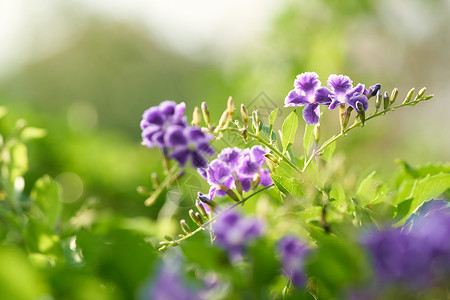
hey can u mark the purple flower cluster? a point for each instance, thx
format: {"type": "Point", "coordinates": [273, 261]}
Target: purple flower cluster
{"type": "Point", "coordinates": [233, 232]}
{"type": "Point", "coordinates": [236, 167]}
{"type": "Point", "coordinates": [414, 256]}
{"type": "Point", "coordinates": [165, 127]}
{"type": "Point", "coordinates": [293, 252]}
{"type": "Point", "coordinates": [308, 92]}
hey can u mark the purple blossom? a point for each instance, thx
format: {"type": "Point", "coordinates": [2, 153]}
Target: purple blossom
{"type": "Point", "coordinates": [188, 143]}
{"type": "Point", "coordinates": [293, 253]}
{"type": "Point", "coordinates": [308, 93]}
{"type": "Point", "coordinates": [415, 255]}
{"type": "Point", "coordinates": [233, 232]}
{"type": "Point", "coordinates": [169, 285]}
{"type": "Point", "coordinates": [158, 119]}
{"type": "Point", "coordinates": [343, 92]}
{"type": "Point", "coordinates": [232, 165]}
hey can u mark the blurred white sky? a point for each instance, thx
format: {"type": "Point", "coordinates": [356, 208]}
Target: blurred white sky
{"type": "Point", "coordinates": [39, 28]}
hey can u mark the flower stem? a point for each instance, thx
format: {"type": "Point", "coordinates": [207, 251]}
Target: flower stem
{"type": "Point", "coordinates": [171, 175]}
{"type": "Point", "coordinates": [356, 124]}
{"type": "Point", "coordinates": [212, 220]}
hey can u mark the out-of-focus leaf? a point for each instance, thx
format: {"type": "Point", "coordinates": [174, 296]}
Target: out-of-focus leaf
{"type": "Point", "coordinates": [367, 189]}
{"type": "Point", "coordinates": [336, 265]}
{"type": "Point", "coordinates": [288, 186]}
{"type": "Point", "coordinates": [30, 133]}
{"type": "Point", "coordinates": [265, 267]}
{"type": "Point", "coordinates": [40, 238]}
{"type": "Point", "coordinates": [18, 279]}
{"type": "Point", "coordinates": [46, 194]}
{"type": "Point", "coordinates": [328, 152]}
{"type": "Point", "coordinates": [198, 249]}
{"type": "Point", "coordinates": [288, 130]}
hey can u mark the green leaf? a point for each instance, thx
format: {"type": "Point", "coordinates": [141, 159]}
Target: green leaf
{"type": "Point", "coordinates": [336, 265]}
{"type": "Point", "coordinates": [288, 186]}
{"type": "Point", "coordinates": [328, 152]}
{"type": "Point", "coordinates": [272, 118]}
{"type": "Point", "coordinates": [308, 139]}
{"type": "Point", "coordinates": [265, 267]}
{"type": "Point", "coordinates": [270, 134]}
{"type": "Point", "coordinates": [426, 189]}
{"type": "Point", "coordinates": [29, 133]}
{"type": "Point", "coordinates": [288, 130]}
{"type": "Point", "coordinates": [367, 189]}
{"type": "Point", "coordinates": [46, 194]}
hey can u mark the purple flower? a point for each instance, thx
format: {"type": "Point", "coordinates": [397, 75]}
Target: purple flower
{"type": "Point", "coordinates": [233, 232]}
{"type": "Point", "coordinates": [293, 253]}
{"type": "Point", "coordinates": [188, 143]}
{"type": "Point", "coordinates": [169, 285]}
{"type": "Point", "coordinates": [158, 119]}
{"type": "Point", "coordinates": [343, 92]}
{"type": "Point", "coordinates": [308, 93]}
{"type": "Point", "coordinates": [373, 90]}
{"type": "Point", "coordinates": [233, 165]}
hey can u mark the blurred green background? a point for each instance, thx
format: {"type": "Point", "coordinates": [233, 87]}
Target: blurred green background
{"type": "Point", "coordinates": [86, 71]}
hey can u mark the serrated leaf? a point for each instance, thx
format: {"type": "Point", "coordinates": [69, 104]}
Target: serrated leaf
{"type": "Point", "coordinates": [288, 130]}
{"type": "Point", "coordinates": [308, 139]}
{"type": "Point", "coordinates": [288, 186]}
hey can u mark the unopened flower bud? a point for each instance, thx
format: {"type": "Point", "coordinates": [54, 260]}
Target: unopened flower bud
{"type": "Point", "coordinates": [167, 237]}
{"type": "Point", "coordinates": [373, 90]}
{"type": "Point", "coordinates": [196, 117]}
{"type": "Point", "coordinates": [201, 209]}
{"type": "Point", "coordinates": [244, 115]}
{"type": "Point", "coordinates": [205, 112]}
{"type": "Point", "coordinates": [230, 107]}
{"type": "Point", "coordinates": [272, 158]}
{"type": "Point", "coordinates": [386, 100]}
{"type": "Point", "coordinates": [155, 180]}
{"type": "Point", "coordinates": [238, 184]}
{"type": "Point", "coordinates": [361, 111]}
{"type": "Point", "coordinates": [409, 95]}
{"type": "Point", "coordinates": [256, 121]}
{"type": "Point", "coordinates": [229, 192]}
{"type": "Point", "coordinates": [245, 134]}
{"type": "Point", "coordinates": [420, 94]}
{"type": "Point", "coordinates": [185, 227]}
{"type": "Point", "coordinates": [199, 218]}
{"type": "Point", "coordinates": [378, 100]}
{"type": "Point", "coordinates": [394, 95]}
{"type": "Point", "coordinates": [317, 132]}
{"type": "Point", "coordinates": [256, 180]}
{"type": "Point", "coordinates": [194, 218]}
{"type": "Point", "coordinates": [223, 122]}
{"type": "Point", "coordinates": [346, 118]}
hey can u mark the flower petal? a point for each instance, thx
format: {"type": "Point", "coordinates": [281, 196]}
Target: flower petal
{"type": "Point", "coordinates": [257, 155]}
{"type": "Point", "coordinates": [362, 99]}
{"type": "Point", "coordinates": [294, 99]}
{"type": "Point", "coordinates": [265, 180]}
{"type": "Point", "coordinates": [167, 107]}
{"type": "Point", "coordinates": [339, 84]}
{"type": "Point", "coordinates": [307, 83]}
{"type": "Point", "coordinates": [179, 110]}
{"type": "Point", "coordinates": [198, 161]}
{"type": "Point", "coordinates": [230, 156]}
{"type": "Point", "coordinates": [195, 134]}
{"type": "Point", "coordinates": [175, 137]}
{"type": "Point", "coordinates": [356, 91]}
{"type": "Point", "coordinates": [154, 116]}
{"type": "Point", "coordinates": [206, 148]}
{"type": "Point", "coordinates": [322, 96]}
{"type": "Point", "coordinates": [181, 156]}
{"type": "Point", "coordinates": [311, 113]}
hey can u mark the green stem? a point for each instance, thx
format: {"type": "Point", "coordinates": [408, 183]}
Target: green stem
{"type": "Point", "coordinates": [206, 224]}
{"type": "Point", "coordinates": [356, 124]}
{"type": "Point", "coordinates": [166, 182]}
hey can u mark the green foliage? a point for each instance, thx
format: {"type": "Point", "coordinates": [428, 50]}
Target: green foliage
{"type": "Point", "coordinates": [288, 130]}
